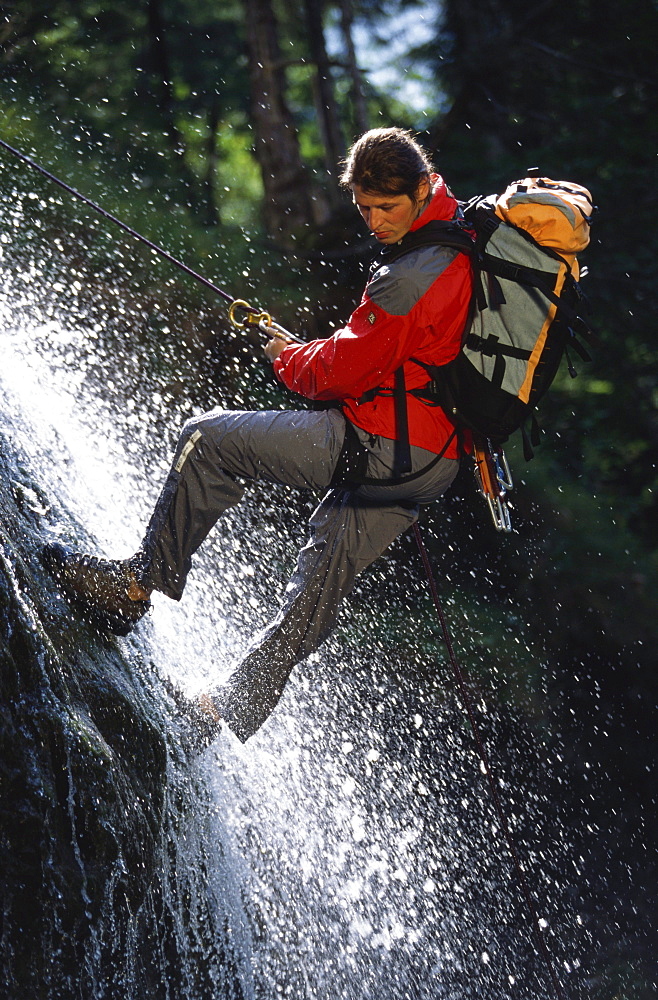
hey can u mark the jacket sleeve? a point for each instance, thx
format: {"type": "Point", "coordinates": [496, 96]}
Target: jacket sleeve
{"type": "Point", "coordinates": [393, 321]}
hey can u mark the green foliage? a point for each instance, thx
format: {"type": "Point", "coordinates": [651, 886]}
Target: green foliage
{"type": "Point", "coordinates": [162, 89]}
{"type": "Point", "coordinates": [156, 124]}
{"type": "Point", "coordinates": [150, 83]}
{"type": "Point", "coordinates": [574, 92]}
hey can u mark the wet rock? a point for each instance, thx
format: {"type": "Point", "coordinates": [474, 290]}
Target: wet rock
{"type": "Point", "coordinates": [99, 899]}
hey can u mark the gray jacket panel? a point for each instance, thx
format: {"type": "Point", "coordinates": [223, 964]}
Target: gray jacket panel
{"type": "Point", "coordinates": [398, 287]}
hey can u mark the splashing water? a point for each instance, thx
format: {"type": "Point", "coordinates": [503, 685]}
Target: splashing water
{"type": "Point", "coordinates": [349, 848]}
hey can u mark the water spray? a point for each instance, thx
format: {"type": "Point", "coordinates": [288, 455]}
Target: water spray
{"type": "Point", "coordinates": [486, 768]}
{"type": "Point", "coordinates": [242, 315]}
{"type": "Point", "coordinates": [253, 317]}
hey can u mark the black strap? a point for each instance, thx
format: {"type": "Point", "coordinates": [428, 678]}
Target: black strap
{"type": "Point", "coordinates": [446, 233]}
{"type": "Point", "coordinates": [402, 461]}
{"type": "Point", "coordinates": [578, 347]}
{"type": "Point", "coordinates": [491, 346]}
{"type": "Point", "coordinates": [496, 295]}
{"type": "Point", "coordinates": [536, 279]}
{"type": "Point", "coordinates": [531, 439]}
{"type": "Point", "coordinates": [352, 465]}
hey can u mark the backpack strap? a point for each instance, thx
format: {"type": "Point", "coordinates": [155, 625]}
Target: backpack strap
{"type": "Point", "coordinates": [531, 439]}
{"type": "Point", "coordinates": [444, 233]}
{"type": "Point", "coordinates": [537, 279]}
{"type": "Point", "coordinates": [402, 462]}
{"type": "Point", "coordinates": [492, 348]}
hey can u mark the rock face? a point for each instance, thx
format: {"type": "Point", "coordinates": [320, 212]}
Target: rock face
{"type": "Point", "coordinates": [104, 882]}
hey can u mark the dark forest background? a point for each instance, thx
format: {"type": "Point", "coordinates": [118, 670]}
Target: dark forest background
{"type": "Point", "coordinates": [206, 124]}
{"type": "Point", "coordinates": [217, 130]}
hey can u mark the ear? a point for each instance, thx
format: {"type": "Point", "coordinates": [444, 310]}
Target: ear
{"type": "Point", "coordinates": [423, 190]}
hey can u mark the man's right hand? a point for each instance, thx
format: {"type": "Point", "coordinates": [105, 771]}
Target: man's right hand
{"type": "Point", "coordinates": [274, 347]}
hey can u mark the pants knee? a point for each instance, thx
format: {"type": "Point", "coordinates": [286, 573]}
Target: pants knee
{"type": "Point", "coordinates": [189, 439]}
{"type": "Point", "coordinates": [196, 429]}
{"type": "Point", "coordinates": [196, 424]}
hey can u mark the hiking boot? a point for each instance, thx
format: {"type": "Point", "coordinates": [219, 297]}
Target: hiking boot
{"type": "Point", "coordinates": [100, 586]}
{"type": "Point", "coordinates": [199, 728]}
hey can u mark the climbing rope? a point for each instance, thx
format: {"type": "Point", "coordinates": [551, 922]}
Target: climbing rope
{"type": "Point", "coordinates": [252, 317]}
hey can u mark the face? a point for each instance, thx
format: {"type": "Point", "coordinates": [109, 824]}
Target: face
{"type": "Point", "coordinates": [390, 216]}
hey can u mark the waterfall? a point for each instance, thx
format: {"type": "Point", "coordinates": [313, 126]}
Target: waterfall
{"type": "Point", "coordinates": [349, 849]}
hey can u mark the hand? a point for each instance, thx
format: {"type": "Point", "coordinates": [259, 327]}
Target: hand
{"type": "Point", "coordinates": [274, 347]}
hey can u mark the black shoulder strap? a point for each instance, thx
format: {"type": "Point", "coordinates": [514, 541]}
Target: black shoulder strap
{"type": "Point", "coordinates": [448, 233]}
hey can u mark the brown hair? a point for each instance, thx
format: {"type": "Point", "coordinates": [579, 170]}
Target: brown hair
{"type": "Point", "coordinates": [387, 160]}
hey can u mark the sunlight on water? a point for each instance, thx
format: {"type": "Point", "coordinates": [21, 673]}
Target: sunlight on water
{"type": "Point", "coordinates": [89, 467]}
{"type": "Point", "coordinates": [349, 841]}
{"type": "Point", "coordinates": [106, 483]}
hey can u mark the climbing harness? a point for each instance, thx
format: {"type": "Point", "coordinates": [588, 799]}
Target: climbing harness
{"type": "Point", "coordinates": [262, 320]}
{"type": "Point", "coordinates": [486, 768]}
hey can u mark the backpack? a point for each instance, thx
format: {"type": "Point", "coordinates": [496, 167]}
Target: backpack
{"type": "Point", "coordinates": [527, 306]}
{"type": "Point", "coordinates": [524, 317]}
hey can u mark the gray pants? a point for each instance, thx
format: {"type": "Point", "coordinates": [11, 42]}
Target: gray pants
{"type": "Point", "coordinates": [348, 530]}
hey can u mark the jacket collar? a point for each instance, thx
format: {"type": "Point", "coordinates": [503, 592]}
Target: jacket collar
{"type": "Point", "coordinates": [442, 205]}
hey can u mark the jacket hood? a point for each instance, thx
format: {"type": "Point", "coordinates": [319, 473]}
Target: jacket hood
{"type": "Point", "coordinates": [442, 206]}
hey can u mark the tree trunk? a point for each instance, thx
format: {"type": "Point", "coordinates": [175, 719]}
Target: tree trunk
{"type": "Point", "coordinates": [160, 67]}
{"type": "Point", "coordinates": [330, 130]}
{"type": "Point", "coordinates": [354, 73]}
{"type": "Point", "coordinates": [210, 180]}
{"type": "Point", "coordinates": [288, 203]}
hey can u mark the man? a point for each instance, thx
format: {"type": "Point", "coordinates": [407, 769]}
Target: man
{"type": "Point", "coordinates": [379, 453]}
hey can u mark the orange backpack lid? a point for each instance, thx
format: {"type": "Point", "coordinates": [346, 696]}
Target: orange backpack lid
{"type": "Point", "coordinates": [555, 213]}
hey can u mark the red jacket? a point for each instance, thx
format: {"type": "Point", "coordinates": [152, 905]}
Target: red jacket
{"type": "Point", "coordinates": [415, 306]}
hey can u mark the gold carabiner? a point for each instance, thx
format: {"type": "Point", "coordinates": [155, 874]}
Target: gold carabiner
{"type": "Point", "coordinates": [262, 320]}
{"type": "Point", "coordinates": [252, 318]}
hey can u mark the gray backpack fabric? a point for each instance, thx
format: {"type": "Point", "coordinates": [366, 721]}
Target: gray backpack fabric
{"type": "Point", "coordinates": [526, 309]}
